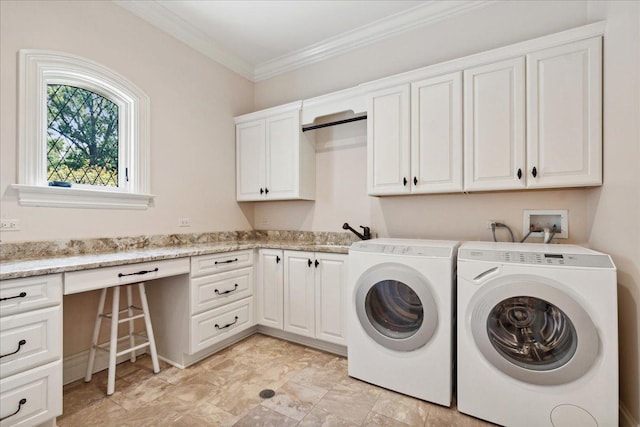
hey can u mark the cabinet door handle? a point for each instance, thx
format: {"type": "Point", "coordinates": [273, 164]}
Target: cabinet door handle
{"type": "Point", "coordinates": [22, 402]}
{"type": "Point", "coordinates": [261, 190]}
{"type": "Point", "coordinates": [138, 272]}
{"type": "Point", "coordinates": [277, 259]}
{"type": "Point", "coordinates": [415, 180]}
{"type": "Point", "coordinates": [404, 181]}
{"type": "Point", "coordinates": [20, 295]}
{"type": "Point", "coordinates": [266, 190]}
{"type": "Point", "coordinates": [534, 172]}
{"type": "Point", "coordinates": [226, 292]}
{"type": "Point", "coordinates": [316, 263]}
{"type": "Point", "coordinates": [519, 173]}
{"type": "Point", "coordinates": [309, 262]}
{"type": "Point", "coordinates": [20, 344]}
{"type": "Point", "coordinates": [229, 261]}
{"type": "Point", "coordinates": [228, 324]}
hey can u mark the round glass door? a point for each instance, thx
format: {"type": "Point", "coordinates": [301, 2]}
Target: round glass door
{"type": "Point", "coordinates": [394, 309]}
{"type": "Point", "coordinates": [395, 306]}
{"type": "Point", "coordinates": [530, 329]}
{"type": "Point", "coordinates": [532, 333]}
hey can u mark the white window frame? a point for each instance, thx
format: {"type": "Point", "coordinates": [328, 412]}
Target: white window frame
{"type": "Point", "coordinates": [37, 70]}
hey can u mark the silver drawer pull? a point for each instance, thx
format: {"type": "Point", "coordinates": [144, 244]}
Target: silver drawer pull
{"type": "Point", "coordinates": [226, 292]}
{"type": "Point", "coordinates": [20, 344]}
{"type": "Point", "coordinates": [20, 295]}
{"type": "Point", "coordinates": [138, 273]}
{"type": "Point", "coordinates": [22, 402]}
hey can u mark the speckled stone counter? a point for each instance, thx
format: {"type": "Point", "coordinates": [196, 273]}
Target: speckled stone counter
{"type": "Point", "coordinates": [37, 258]}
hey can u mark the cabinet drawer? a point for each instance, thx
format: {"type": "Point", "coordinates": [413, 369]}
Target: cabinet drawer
{"type": "Point", "coordinates": [39, 292]}
{"type": "Point", "coordinates": [41, 389]}
{"type": "Point", "coordinates": [218, 289]}
{"type": "Point", "coordinates": [98, 278]}
{"type": "Point", "coordinates": [215, 325]}
{"type": "Point", "coordinates": [34, 338]}
{"type": "Point", "coordinates": [216, 263]}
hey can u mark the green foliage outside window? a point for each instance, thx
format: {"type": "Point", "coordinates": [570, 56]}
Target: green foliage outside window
{"type": "Point", "coordinates": [82, 137]}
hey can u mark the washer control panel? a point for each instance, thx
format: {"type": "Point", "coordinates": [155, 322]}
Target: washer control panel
{"type": "Point", "coordinates": [540, 258]}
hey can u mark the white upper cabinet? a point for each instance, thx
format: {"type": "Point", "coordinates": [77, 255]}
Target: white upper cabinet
{"type": "Point", "coordinates": [494, 126]}
{"type": "Point", "coordinates": [250, 160]}
{"type": "Point", "coordinates": [274, 159]}
{"type": "Point", "coordinates": [414, 137]}
{"type": "Point", "coordinates": [564, 115]}
{"type": "Point", "coordinates": [436, 134]}
{"type": "Point", "coordinates": [388, 141]}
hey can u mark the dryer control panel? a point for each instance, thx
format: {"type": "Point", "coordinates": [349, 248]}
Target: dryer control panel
{"type": "Point", "coordinates": [402, 250]}
{"type": "Point", "coordinates": [540, 258]}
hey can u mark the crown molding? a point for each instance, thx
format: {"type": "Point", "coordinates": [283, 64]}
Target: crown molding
{"type": "Point", "coordinates": [411, 19]}
{"type": "Point", "coordinates": [423, 15]}
{"type": "Point", "coordinates": [159, 16]}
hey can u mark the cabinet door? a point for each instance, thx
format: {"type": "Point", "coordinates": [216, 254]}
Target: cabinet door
{"type": "Point", "coordinates": [331, 282]}
{"type": "Point", "coordinates": [269, 288]}
{"type": "Point", "coordinates": [250, 160]}
{"type": "Point", "coordinates": [283, 156]}
{"type": "Point", "coordinates": [564, 115]}
{"type": "Point", "coordinates": [299, 295]}
{"type": "Point", "coordinates": [436, 134]}
{"type": "Point", "coordinates": [388, 141]}
{"type": "Point", "coordinates": [494, 144]}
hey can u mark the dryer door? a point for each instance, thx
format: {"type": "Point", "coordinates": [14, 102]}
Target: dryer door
{"type": "Point", "coordinates": [531, 330]}
{"type": "Point", "coordinates": [396, 307]}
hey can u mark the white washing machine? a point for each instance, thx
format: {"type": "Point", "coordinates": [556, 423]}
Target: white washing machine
{"type": "Point", "coordinates": [400, 315]}
{"type": "Point", "coordinates": [537, 335]}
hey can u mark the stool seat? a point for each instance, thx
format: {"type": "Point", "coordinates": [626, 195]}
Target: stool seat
{"type": "Point", "coordinates": [135, 341]}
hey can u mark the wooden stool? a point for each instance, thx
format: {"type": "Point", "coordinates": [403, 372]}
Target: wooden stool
{"type": "Point", "coordinates": [112, 346]}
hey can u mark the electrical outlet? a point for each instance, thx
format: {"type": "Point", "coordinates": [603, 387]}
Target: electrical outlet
{"type": "Point", "coordinates": [184, 222]}
{"type": "Point", "coordinates": [10, 225]}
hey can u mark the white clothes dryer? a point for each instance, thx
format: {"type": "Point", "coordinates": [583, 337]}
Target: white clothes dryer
{"type": "Point", "coordinates": [537, 335]}
{"type": "Point", "coordinates": [400, 315]}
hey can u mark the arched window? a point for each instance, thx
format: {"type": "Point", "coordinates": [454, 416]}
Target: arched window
{"type": "Point", "coordinates": [83, 135]}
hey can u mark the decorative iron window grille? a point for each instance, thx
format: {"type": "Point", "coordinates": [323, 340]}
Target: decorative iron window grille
{"type": "Point", "coordinates": [82, 137]}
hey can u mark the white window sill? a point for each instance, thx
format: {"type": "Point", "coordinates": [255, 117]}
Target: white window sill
{"type": "Point", "coordinates": [60, 197]}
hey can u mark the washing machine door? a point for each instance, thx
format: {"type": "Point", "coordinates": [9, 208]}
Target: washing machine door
{"type": "Point", "coordinates": [396, 307]}
{"type": "Point", "coordinates": [533, 331]}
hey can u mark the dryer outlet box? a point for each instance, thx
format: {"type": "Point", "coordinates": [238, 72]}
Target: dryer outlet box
{"type": "Point", "coordinates": [541, 219]}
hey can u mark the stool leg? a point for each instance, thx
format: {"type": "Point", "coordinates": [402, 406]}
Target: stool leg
{"type": "Point", "coordinates": [113, 345]}
{"type": "Point", "coordinates": [96, 333]}
{"type": "Point", "coordinates": [132, 341]}
{"type": "Point", "coordinates": [147, 322]}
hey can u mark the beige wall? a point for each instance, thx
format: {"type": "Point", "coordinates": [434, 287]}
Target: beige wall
{"type": "Point", "coordinates": [193, 102]}
{"type": "Point", "coordinates": [341, 166]}
{"type": "Point", "coordinates": [606, 218]}
{"type": "Point", "coordinates": [614, 208]}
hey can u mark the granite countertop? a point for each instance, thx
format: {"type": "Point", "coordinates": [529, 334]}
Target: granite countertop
{"type": "Point", "coordinates": [18, 268]}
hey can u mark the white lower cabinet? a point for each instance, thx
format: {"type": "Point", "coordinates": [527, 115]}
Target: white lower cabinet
{"type": "Point", "coordinates": [194, 316]}
{"type": "Point", "coordinates": [212, 326]}
{"type": "Point", "coordinates": [269, 288]}
{"type": "Point", "coordinates": [302, 293]}
{"type": "Point", "coordinates": [31, 350]}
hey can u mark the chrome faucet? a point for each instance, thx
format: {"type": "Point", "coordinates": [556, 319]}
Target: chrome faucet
{"type": "Point", "coordinates": [366, 231]}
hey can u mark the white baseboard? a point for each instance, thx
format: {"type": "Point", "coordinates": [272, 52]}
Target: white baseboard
{"type": "Point", "coordinates": [75, 366]}
{"type": "Point", "coordinates": [626, 419]}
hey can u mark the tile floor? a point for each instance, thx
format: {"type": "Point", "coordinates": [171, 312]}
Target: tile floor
{"type": "Point", "coordinates": [312, 389]}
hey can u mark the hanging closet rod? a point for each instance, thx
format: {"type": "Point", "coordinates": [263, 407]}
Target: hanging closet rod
{"type": "Point", "coordinates": [339, 122]}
